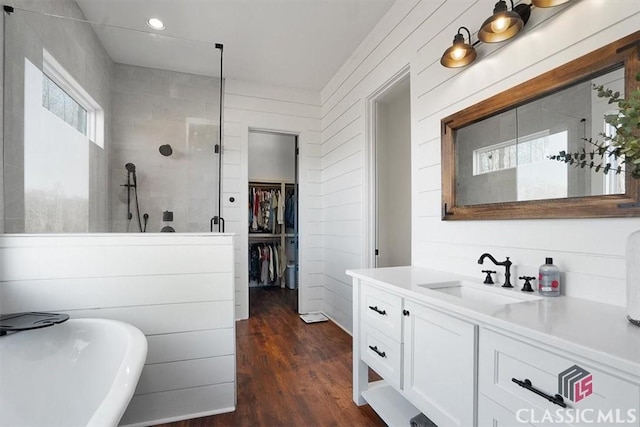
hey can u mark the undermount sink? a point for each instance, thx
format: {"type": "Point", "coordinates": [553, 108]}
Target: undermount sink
{"type": "Point", "coordinates": [78, 373]}
{"type": "Point", "coordinates": [483, 294]}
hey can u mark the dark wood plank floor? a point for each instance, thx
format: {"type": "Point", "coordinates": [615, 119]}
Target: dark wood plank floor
{"type": "Point", "coordinates": [290, 373]}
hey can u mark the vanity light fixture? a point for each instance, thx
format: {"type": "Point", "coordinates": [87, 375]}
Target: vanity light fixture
{"type": "Point", "coordinates": [502, 25]}
{"type": "Point", "coordinates": [548, 3]}
{"type": "Point", "coordinates": [155, 24]}
{"type": "Point", "coordinates": [461, 53]}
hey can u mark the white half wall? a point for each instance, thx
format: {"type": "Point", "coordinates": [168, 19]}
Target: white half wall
{"type": "Point", "coordinates": [253, 106]}
{"type": "Point", "coordinates": [416, 33]}
{"type": "Point", "coordinates": [177, 288]}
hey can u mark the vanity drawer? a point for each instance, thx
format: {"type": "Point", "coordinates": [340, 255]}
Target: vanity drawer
{"type": "Point", "coordinates": [382, 354]}
{"type": "Point", "coordinates": [382, 310]}
{"type": "Point", "coordinates": [582, 385]}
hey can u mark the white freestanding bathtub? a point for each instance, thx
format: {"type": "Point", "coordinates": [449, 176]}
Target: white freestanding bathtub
{"type": "Point", "coordinates": [79, 373]}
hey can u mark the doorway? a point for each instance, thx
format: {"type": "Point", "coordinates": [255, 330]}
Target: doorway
{"type": "Point", "coordinates": [273, 213]}
{"type": "Point", "coordinates": [389, 112]}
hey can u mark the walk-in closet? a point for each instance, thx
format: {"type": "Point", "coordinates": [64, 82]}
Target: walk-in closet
{"type": "Point", "coordinates": [273, 210]}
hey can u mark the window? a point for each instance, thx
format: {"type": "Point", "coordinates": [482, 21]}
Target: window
{"type": "Point", "coordinates": [63, 96]}
{"type": "Point", "coordinates": [63, 105]}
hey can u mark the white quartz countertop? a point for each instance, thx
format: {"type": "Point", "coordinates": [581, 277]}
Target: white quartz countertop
{"type": "Point", "coordinates": [590, 329]}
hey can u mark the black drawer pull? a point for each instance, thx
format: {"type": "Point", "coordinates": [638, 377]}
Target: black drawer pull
{"type": "Point", "coordinates": [377, 310]}
{"type": "Point", "coordinates": [406, 312]}
{"type": "Point", "coordinates": [378, 352]}
{"type": "Point", "coordinates": [557, 399]}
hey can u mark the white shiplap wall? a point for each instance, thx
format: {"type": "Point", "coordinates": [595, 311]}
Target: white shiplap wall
{"type": "Point", "coordinates": [415, 33]}
{"type": "Point", "coordinates": [177, 288]}
{"type": "Point", "coordinates": [254, 106]}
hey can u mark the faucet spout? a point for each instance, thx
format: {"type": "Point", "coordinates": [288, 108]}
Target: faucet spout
{"type": "Point", "coordinates": [506, 264]}
{"type": "Point", "coordinates": [487, 255]}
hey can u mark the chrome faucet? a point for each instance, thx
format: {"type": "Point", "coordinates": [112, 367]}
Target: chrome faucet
{"type": "Point", "coordinates": [507, 268]}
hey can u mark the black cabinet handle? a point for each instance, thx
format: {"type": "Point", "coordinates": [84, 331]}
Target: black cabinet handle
{"type": "Point", "coordinates": [377, 310]}
{"type": "Point", "coordinates": [378, 352]}
{"type": "Point", "coordinates": [557, 399]}
{"type": "Point", "coordinates": [405, 312]}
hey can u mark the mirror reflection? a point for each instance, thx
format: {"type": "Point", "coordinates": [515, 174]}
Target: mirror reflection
{"type": "Point", "coordinates": [107, 129]}
{"type": "Point", "coordinates": [505, 157]}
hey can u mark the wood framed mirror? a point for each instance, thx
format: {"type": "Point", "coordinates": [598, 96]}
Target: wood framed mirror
{"type": "Point", "coordinates": [495, 154]}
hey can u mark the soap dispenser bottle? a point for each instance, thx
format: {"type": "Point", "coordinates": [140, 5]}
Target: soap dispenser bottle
{"type": "Point", "coordinates": [549, 279]}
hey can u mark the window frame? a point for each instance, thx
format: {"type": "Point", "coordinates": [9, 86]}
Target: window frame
{"type": "Point", "coordinates": [53, 70]}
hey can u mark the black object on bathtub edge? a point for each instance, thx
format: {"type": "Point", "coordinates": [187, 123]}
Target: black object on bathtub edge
{"type": "Point", "coordinates": [15, 322]}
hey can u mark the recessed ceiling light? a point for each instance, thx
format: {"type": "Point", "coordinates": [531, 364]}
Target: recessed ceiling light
{"type": "Point", "coordinates": [155, 23]}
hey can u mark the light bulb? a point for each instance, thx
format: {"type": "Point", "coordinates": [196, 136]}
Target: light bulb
{"type": "Point", "coordinates": [457, 53]}
{"type": "Point", "coordinates": [500, 24]}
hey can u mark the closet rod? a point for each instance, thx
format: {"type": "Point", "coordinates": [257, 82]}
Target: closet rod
{"type": "Point", "coordinates": [267, 237]}
{"type": "Point", "coordinates": [269, 183]}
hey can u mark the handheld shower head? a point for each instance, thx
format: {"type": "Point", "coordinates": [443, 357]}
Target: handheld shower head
{"type": "Point", "coordinates": [131, 170]}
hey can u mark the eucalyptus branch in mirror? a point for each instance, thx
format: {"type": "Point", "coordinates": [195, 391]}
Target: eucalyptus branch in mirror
{"type": "Point", "coordinates": [623, 145]}
{"type": "Point", "coordinates": [599, 158]}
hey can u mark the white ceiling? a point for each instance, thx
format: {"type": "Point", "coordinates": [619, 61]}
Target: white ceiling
{"type": "Point", "coordinates": [294, 43]}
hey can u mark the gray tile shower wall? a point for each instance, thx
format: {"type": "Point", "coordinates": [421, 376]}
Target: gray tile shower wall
{"type": "Point", "coordinates": [151, 108]}
{"type": "Point", "coordinates": [77, 48]}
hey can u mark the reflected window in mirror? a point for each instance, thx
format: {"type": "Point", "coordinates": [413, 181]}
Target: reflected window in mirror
{"type": "Point", "coordinates": [507, 157]}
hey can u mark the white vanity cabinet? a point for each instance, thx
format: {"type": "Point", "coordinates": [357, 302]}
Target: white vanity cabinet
{"type": "Point", "coordinates": [439, 364]}
{"type": "Point", "coordinates": [465, 363]}
{"type": "Point", "coordinates": [380, 341]}
{"type": "Point", "coordinates": [593, 394]}
{"type": "Point", "coordinates": [426, 356]}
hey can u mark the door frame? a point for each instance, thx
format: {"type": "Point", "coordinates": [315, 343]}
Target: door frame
{"type": "Point", "coordinates": [245, 222]}
{"type": "Point", "coordinates": [370, 240]}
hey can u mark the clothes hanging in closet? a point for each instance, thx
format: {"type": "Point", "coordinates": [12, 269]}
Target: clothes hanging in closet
{"type": "Point", "coordinates": [266, 261]}
{"type": "Point", "coordinates": [290, 209]}
{"type": "Point", "coordinates": [269, 209]}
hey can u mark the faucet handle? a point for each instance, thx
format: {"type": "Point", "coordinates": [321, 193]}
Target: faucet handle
{"type": "Point", "coordinates": [488, 280]}
{"type": "Point", "coordinates": [527, 283]}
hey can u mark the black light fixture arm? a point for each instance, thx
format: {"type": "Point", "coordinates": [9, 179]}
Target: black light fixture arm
{"type": "Point", "coordinates": [468, 32]}
{"type": "Point", "coordinates": [501, 6]}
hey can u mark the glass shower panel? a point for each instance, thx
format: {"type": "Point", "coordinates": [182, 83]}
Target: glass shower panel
{"type": "Point", "coordinates": [88, 108]}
